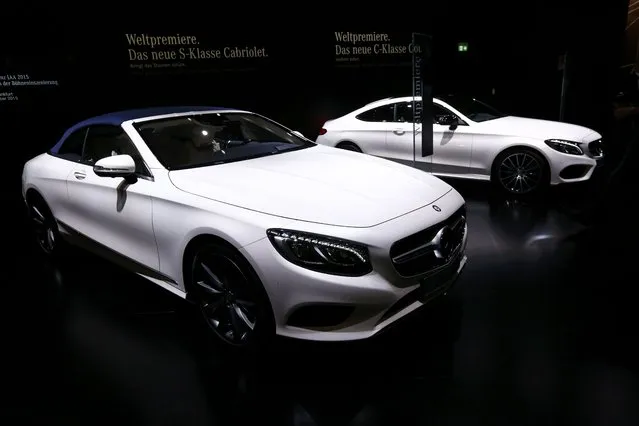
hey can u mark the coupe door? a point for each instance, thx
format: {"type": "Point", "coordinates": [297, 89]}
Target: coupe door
{"type": "Point", "coordinates": [403, 140]}
{"type": "Point", "coordinates": [370, 133]}
{"type": "Point", "coordinates": [452, 147]}
{"type": "Point", "coordinates": [113, 212]}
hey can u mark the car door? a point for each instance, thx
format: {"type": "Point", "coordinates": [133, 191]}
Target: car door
{"type": "Point", "coordinates": [452, 145]}
{"type": "Point", "coordinates": [403, 139]}
{"type": "Point", "coordinates": [54, 186]}
{"type": "Point", "coordinates": [372, 127]}
{"type": "Point", "coordinates": [115, 212]}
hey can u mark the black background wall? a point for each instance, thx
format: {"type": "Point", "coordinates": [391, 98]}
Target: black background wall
{"type": "Point", "coordinates": [512, 61]}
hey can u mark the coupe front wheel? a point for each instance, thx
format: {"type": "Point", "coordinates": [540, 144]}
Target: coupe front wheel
{"type": "Point", "coordinates": [520, 172]}
{"type": "Point", "coordinates": [231, 300]}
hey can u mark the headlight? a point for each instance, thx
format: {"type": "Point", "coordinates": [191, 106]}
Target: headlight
{"type": "Point", "coordinates": [567, 147]}
{"type": "Point", "coordinates": [320, 253]}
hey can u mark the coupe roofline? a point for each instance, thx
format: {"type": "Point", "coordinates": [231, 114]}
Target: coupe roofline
{"type": "Point", "coordinates": [388, 101]}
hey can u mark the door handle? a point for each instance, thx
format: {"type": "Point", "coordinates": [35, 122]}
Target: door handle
{"type": "Point", "coordinates": [399, 131]}
{"type": "Point", "coordinates": [79, 175]}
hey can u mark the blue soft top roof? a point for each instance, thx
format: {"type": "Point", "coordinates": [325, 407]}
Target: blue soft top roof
{"type": "Point", "coordinates": [117, 118]}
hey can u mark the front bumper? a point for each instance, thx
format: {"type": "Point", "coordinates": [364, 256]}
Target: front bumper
{"type": "Point", "coordinates": [565, 168]}
{"type": "Point", "coordinates": [342, 308]}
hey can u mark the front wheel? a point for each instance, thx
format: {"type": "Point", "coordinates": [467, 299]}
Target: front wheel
{"type": "Point", "coordinates": [520, 172]}
{"type": "Point", "coordinates": [231, 300]}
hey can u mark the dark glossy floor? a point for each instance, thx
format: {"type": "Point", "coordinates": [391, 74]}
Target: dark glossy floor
{"type": "Point", "coordinates": [540, 330]}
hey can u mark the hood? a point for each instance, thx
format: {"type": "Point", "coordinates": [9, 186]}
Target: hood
{"type": "Point", "coordinates": [318, 184]}
{"type": "Point", "coordinates": [538, 129]}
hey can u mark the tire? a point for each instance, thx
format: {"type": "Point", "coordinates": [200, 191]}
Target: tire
{"type": "Point", "coordinates": [231, 299]}
{"type": "Point", "coordinates": [520, 171]}
{"type": "Point", "coordinates": [44, 226]}
{"type": "Point", "coordinates": [348, 146]}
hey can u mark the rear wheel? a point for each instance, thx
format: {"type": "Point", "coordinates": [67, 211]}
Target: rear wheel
{"type": "Point", "coordinates": [44, 225]}
{"type": "Point", "coordinates": [231, 299]}
{"type": "Point", "coordinates": [349, 146]}
{"type": "Point", "coordinates": [520, 172]}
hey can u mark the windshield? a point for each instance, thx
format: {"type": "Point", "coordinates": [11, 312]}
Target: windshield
{"type": "Point", "coordinates": [216, 138]}
{"type": "Point", "coordinates": [474, 109]}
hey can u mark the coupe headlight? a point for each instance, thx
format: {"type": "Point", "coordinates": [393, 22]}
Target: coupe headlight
{"type": "Point", "coordinates": [321, 253]}
{"type": "Point", "coordinates": [567, 147]}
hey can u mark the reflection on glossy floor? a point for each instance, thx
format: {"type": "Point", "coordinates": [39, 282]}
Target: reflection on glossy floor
{"type": "Point", "coordinates": [535, 333]}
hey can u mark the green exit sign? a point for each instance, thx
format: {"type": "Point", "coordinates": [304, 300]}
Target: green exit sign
{"type": "Point", "coordinates": [462, 47]}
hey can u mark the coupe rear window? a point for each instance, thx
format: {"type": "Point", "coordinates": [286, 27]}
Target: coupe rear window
{"type": "Point", "coordinates": [216, 138]}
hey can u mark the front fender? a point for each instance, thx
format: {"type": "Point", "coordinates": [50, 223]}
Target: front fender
{"type": "Point", "coordinates": [486, 148]}
{"type": "Point", "coordinates": [176, 224]}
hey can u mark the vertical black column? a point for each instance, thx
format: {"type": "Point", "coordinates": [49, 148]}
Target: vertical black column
{"type": "Point", "coordinates": [422, 88]}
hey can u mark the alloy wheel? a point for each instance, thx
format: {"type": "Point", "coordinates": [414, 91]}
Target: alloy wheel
{"type": "Point", "coordinates": [44, 227]}
{"type": "Point", "coordinates": [520, 173]}
{"type": "Point", "coordinates": [225, 298]}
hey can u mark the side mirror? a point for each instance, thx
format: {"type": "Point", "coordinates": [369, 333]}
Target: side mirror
{"type": "Point", "coordinates": [298, 134]}
{"type": "Point", "coordinates": [115, 166]}
{"type": "Point", "coordinates": [448, 120]}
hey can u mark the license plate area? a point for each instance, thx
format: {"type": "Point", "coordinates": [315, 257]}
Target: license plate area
{"type": "Point", "coordinates": [439, 281]}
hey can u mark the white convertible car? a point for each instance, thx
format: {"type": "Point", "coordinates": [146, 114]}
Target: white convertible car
{"type": "Point", "coordinates": [471, 140]}
{"type": "Point", "coordinates": [263, 229]}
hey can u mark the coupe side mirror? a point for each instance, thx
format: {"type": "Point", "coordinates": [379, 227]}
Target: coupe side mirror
{"type": "Point", "coordinates": [449, 120]}
{"type": "Point", "coordinates": [115, 166]}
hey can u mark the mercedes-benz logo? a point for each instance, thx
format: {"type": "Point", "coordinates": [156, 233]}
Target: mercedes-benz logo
{"type": "Point", "coordinates": [436, 208]}
{"type": "Point", "coordinates": [443, 243]}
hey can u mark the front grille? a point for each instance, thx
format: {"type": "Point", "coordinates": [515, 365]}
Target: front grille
{"type": "Point", "coordinates": [596, 148]}
{"type": "Point", "coordinates": [430, 249]}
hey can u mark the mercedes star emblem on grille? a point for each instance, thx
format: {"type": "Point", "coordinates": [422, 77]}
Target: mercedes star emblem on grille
{"type": "Point", "coordinates": [436, 208]}
{"type": "Point", "coordinates": [443, 243]}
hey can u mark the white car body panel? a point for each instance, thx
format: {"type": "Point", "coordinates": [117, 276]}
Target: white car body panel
{"type": "Point", "coordinates": [374, 290]}
{"type": "Point", "coordinates": [469, 151]}
{"type": "Point", "coordinates": [152, 220]}
{"type": "Point", "coordinates": [118, 217]}
{"type": "Point", "coordinates": [388, 191]}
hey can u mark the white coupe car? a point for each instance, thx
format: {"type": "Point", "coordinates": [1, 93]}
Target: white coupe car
{"type": "Point", "coordinates": [471, 140]}
{"type": "Point", "coordinates": [265, 230]}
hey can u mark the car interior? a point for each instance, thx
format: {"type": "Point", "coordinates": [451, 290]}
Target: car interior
{"type": "Point", "coordinates": [189, 141]}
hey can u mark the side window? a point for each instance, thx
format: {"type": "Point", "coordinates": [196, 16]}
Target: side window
{"type": "Point", "coordinates": [404, 112]}
{"type": "Point", "coordinates": [439, 111]}
{"type": "Point", "coordinates": [381, 114]}
{"type": "Point", "coordinates": [105, 141]}
{"type": "Point", "coordinates": [71, 148]}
